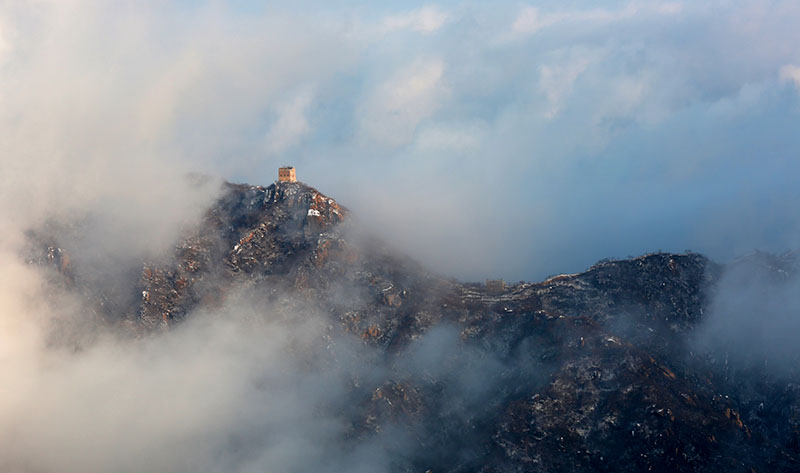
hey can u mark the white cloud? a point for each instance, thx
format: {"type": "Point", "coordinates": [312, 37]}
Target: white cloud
{"type": "Point", "coordinates": [107, 108]}
{"type": "Point", "coordinates": [627, 93]}
{"type": "Point", "coordinates": [5, 47]}
{"type": "Point", "coordinates": [427, 19]}
{"type": "Point", "coordinates": [450, 137]}
{"type": "Point", "coordinates": [292, 124]}
{"type": "Point", "coordinates": [790, 73]}
{"type": "Point", "coordinates": [97, 97]}
{"type": "Point", "coordinates": [394, 109]}
{"type": "Point", "coordinates": [669, 8]}
{"type": "Point", "coordinates": [104, 109]}
{"type": "Point", "coordinates": [531, 20]}
{"type": "Point", "coordinates": [557, 80]}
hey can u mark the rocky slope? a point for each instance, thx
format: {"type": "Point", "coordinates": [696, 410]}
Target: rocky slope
{"type": "Point", "coordinates": [597, 371]}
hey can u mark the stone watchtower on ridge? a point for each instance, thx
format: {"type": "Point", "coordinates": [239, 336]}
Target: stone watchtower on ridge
{"type": "Point", "coordinates": [287, 174]}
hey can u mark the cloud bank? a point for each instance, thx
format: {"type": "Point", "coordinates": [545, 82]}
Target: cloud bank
{"type": "Point", "coordinates": [505, 141]}
{"type": "Point", "coordinates": [516, 140]}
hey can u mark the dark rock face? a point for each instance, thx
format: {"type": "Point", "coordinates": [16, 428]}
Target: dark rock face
{"type": "Point", "coordinates": [594, 371]}
{"type": "Point", "coordinates": [253, 233]}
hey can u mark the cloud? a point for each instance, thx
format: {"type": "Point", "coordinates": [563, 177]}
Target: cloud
{"type": "Point", "coordinates": [531, 20]}
{"type": "Point", "coordinates": [263, 383]}
{"type": "Point", "coordinates": [528, 21]}
{"type": "Point", "coordinates": [450, 137]}
{"type": "Point", "coordinates": [225, 391]}
{"type": "Point", "coordinates": [291, 125]}
{"type": "Point", "coordinates": [595, 133]}
{"type": "Point", "coordinates": [752, 320]}
{"type": "Point", "coordinates": [427, 19]}
{"type": "Point", "coordinates": [4, 44]}
{"type": "Point", "coordinates": [556, 81]}
{"type": "Point", "coordinates": [103, 104]}
{"type": "Point", "coordinates": [790, 73]}
{"type": "Point", "coordinates": [394, 109]}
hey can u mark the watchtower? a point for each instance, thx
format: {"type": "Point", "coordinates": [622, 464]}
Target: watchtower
{"type": "Point", "coordinates": [287, 174]}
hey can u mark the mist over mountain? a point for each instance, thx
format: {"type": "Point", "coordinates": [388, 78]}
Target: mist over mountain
{"type": "Point", "coordinates": [504, 134]}
{"type": "Point", "coordinates": [275, 334]}
{"type": "Point", "coordinates": [166, 306]}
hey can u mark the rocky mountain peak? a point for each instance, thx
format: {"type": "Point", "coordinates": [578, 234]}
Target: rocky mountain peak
{"type": "Point", "coordinates": [593, 371]}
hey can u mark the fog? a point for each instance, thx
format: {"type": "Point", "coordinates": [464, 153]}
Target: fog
{"type": "Point", "coordinates": [254, 385]}
{"type": "Point", "coordinates": [489, 142]}
{"type": "Point", "coordinates": [505, 141]}
{"type": "Point", "coordinates": [754, 316]}
{"type": "Point", "coordinates": [231, 391]}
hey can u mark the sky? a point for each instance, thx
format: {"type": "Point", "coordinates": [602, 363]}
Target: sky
{"type": "Point", "coordinates": [513, 140]}
{"type": "Point", "coordinates": [509, 139]}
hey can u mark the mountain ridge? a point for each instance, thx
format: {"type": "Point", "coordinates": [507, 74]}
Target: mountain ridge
{"type": "Point", "coordinates": [593, 371]}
